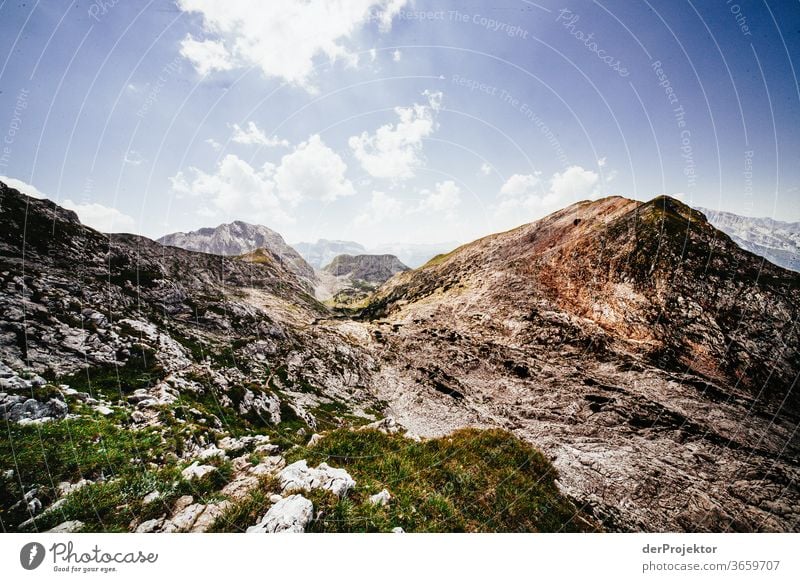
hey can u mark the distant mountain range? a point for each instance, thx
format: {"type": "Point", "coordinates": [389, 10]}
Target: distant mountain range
{"type": "Point", "coordinates": [322, 252]}
{"type": "Point", "coordinates": [774, 240]}
{"type": "Point", "coordinates": [350, 279]}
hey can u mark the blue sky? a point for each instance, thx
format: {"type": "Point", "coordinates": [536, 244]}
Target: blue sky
{"type": "Point", "coordinates": [396, 121]}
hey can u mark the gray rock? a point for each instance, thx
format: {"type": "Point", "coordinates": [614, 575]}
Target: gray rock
{"type": "Point", "coordinates": [300, 477]}
{"type": "Point", "coordinates": [290, 515]}
{"type": "Point", "coordinates": [197, 471]}
{"type": "Point", "coordinates": [67, 527]}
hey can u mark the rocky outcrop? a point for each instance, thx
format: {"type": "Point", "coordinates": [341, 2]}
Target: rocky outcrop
{"type": "Point", "coordinates": [289, 515]}
{"type": "Point", "coordinates": [300, 477]}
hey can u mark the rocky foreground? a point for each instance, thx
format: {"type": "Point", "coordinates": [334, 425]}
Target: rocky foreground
{"type": "Point", "coordinates": [150, 388]}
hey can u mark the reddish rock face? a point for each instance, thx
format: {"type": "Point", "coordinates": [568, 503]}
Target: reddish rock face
{"type": "Point", "coordinates": [650, 355]}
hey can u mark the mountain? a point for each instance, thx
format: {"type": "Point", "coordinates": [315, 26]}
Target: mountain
{"type": "Point", "coordinates": [238, 238]}
{"type": "Point", "coordinates": [776, 241]}
{"type": "Point", "coordinates": [350, 279]}
{"type": "Point", "coordinates": [640, 348]}
{"type": "Point", "coordinates": [323, 251]}
{"type": "Point", "coordinates": [413, 255]}
{"type": "Point", "coordinates": [617, 366]}
{"type": "Point", "coordinates": [374, 269]}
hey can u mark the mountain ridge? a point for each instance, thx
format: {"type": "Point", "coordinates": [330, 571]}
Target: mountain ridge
{"type": "Point", "coordinates": [647, 356]}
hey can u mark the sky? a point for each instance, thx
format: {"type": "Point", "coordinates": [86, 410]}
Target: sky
{"type": "Point", "coordinates": [387, 121]}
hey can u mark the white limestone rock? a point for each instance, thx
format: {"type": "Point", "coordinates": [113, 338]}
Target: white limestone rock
{"type": "Point", "coordinates": [289, 515]}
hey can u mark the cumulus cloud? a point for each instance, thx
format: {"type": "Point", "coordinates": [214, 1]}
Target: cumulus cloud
{"type": "Point", "coordinates": [486, 169]}
{"type": "Point", "coordinates": [23, 187]}
{"type": "Point", "coordinates": [397, 56]}
{"type": "Point", "coordinates": [281, 37]}
{"type": "Point", "coordinates": [313, 170]}
{"type": "Point", "coordinates": [215, 145]}
{"type": "Point", "coordinates": [237, 189]}
{"type": "Point", "coordinates": [253, 135]}
{"type": "Point", "coordinates": [207, 56]}
{"type": "Point", "coordinates": [528, 197]}
{"type": "Point", "coordinates": [445, 197]}
{"type": "Point", "coordinates": [380, 207]}
{"type": "Point", "coordinates": [394, 150]}
{"type": "Point", "coordinates": [101, 217]}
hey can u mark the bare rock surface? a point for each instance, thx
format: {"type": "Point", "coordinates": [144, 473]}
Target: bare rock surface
{"type": "Point", "coordinates": [289, 515]}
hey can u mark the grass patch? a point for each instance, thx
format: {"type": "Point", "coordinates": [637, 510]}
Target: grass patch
{"type": "Point", "coordinates": [44, 455]}
{"type": "Point", "coordinates": [471, 481]}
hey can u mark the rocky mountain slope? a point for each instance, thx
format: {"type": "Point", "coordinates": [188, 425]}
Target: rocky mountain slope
{"type": "Point", "coordinates": [238, 238]}
{"type": "Point", "coordinates": [775, 240]}
{"type": "Point", "coordinates": [323, 251]}
{"type": "Point", "coordinates": [654, 361]}
{"type": "Point", "coordinates": [149, 388]}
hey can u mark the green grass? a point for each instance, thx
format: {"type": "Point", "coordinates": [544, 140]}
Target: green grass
{"type": "Point", "coordinates": [44, 455]}
{"type": "Point", "coordinates": [472, 481]}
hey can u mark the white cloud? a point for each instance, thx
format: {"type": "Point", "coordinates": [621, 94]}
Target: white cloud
{"type": "Point", "coordinates": [445, 197]}
{"type": "Point", "coordinates": [574, 183]}
{"type": "Point", "coordinates": [215, 145]}
{"type": "Point", "coordinates": [100, 217]}
{"type": "Point", "coordinates": [394, 150]}
{"type": "Point", "coordinates": [313, 170]}
{"type": "Point", "coordinates": [397, 56]}
{"type": "Point", "coordinates": [236, 189]}
{"type": "Point", "coordinates": [601, 162]}
{"type": "Point", "coordinates": [207, 56]}
{"type": "Point", "coordinates": [520, 185]}
{"type": "Point", "coordinates": [255, 136]}
{"type": "Point", "coordinates": [23, 187]}
{"type": "Point", "coordinates": [281, 37]}
{"type": "Point", "coordinates": [526, 197]}
{"type": "Point", "coordinates": [486, 169]}
{"type": "Point", "coordinates": [380, 207]}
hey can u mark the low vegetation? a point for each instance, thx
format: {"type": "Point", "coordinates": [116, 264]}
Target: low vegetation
{"type": "Point", "coordinates": [471, 481]}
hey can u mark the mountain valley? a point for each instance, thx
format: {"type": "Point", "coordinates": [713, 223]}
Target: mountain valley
{"type": "Point", "coordinates": [615, 366]}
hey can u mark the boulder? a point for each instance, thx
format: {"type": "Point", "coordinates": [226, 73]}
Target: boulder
{"type": "Point", "coordinates": [197, 471]}
{"type": "Point", "coordinates": [290, 515]}
{"type": "Point", "coordinates": [300, 477]}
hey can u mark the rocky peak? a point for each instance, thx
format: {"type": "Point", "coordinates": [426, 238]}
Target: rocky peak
{"type": "Point", "coordinates": [238, 238]}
